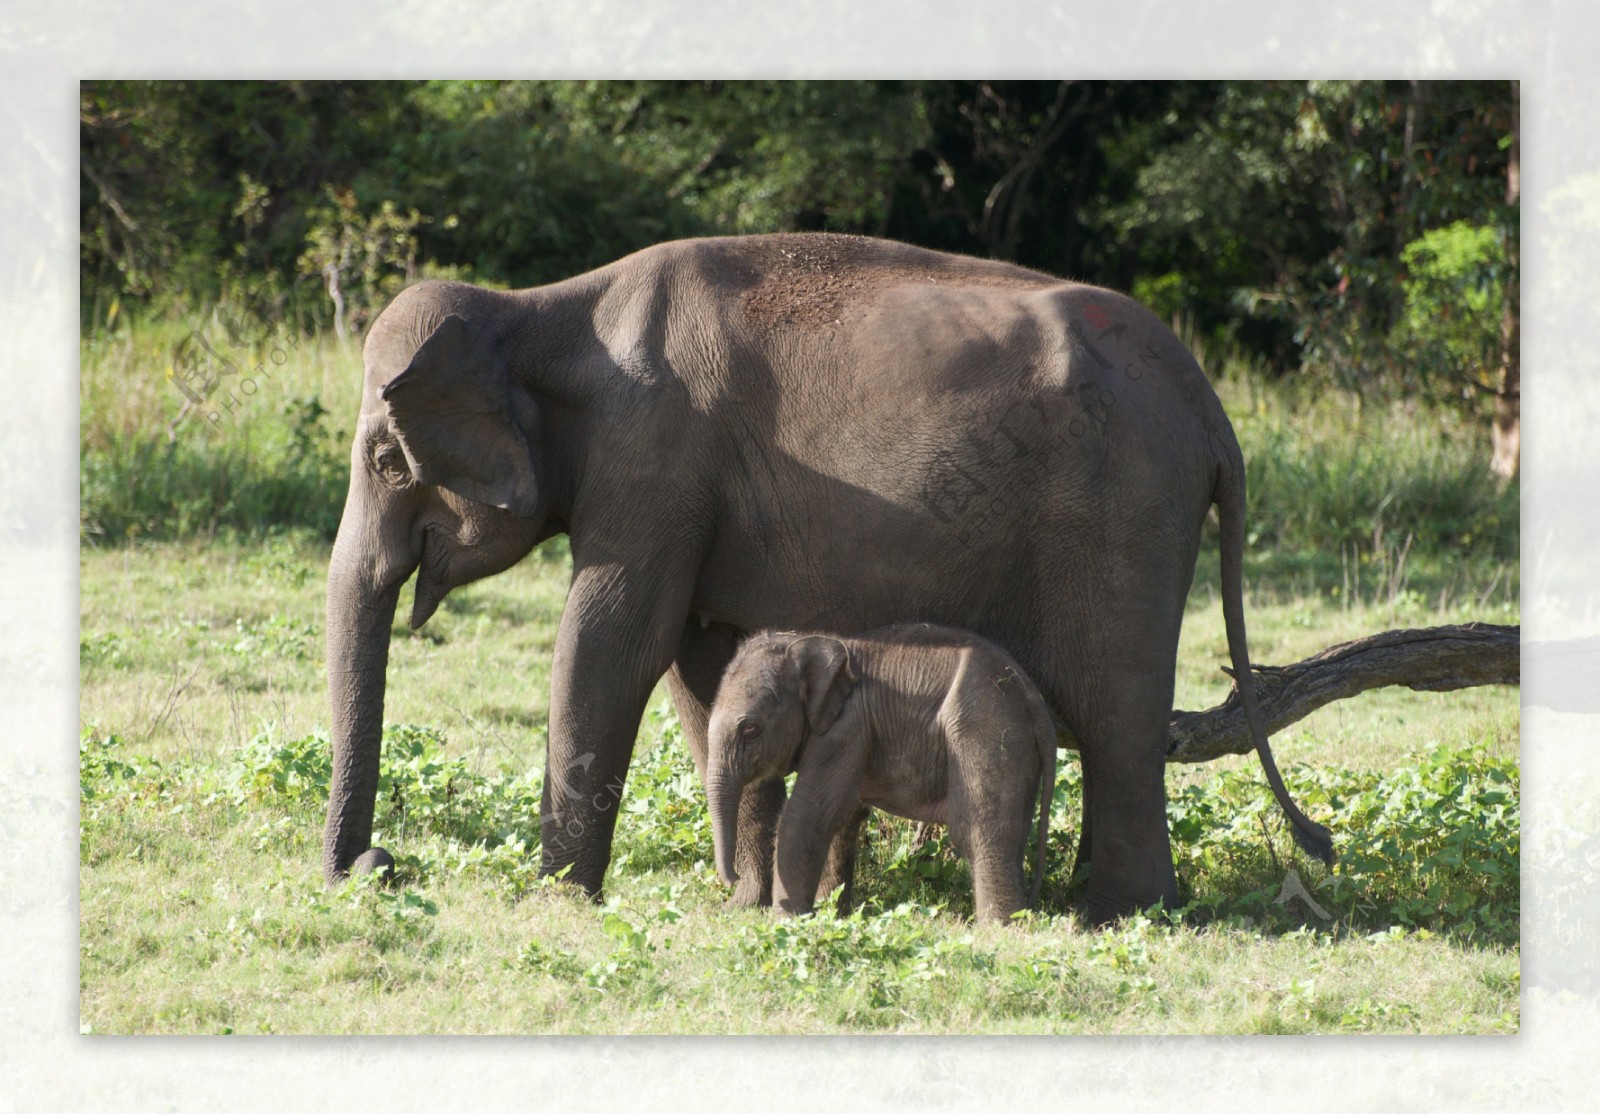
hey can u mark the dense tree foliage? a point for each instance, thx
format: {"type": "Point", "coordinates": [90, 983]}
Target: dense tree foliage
{"type": "Point", "coordinates": [1355, 230]}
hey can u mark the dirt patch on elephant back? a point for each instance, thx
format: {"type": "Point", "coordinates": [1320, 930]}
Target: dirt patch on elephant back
{"type": "Point", "coordinates": [817, 278]}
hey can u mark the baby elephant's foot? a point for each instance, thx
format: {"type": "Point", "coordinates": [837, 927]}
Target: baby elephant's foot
{"type": "Point", "coordinates": [998, 912]}
{"type": "Point", "coordinates": [374, 861]}
{"type": "Point", "coordinates": [792, 904]}
{"type": "Point", "coordinates": [997, 917]}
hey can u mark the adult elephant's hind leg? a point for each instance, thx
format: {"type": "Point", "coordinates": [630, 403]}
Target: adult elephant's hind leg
{"type": "Point", "coordinates": [1111, 679]}
{"type": "Point", "coordinates": [703, 654]}
{"type": "Point", "coordinates": [1124, 752]}
{"type": "Point", "coordinates": [1085, 853]}
{"type": "Point", "coordinates": [1132, 864]}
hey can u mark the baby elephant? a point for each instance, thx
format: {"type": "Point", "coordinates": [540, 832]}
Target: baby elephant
{"type": "Point", "coordinates": [925, 722]}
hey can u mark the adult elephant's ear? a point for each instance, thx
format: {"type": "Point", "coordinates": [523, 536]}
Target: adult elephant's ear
{"type": "Point", "coordinates": [451, 409]}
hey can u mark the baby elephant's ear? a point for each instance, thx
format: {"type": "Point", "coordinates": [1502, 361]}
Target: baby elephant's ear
{"type": "Point", "coordinates": [827, 677]}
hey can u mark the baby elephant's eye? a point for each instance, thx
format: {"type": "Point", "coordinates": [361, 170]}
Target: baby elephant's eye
{"type": "Point", "coordinates": [749, 729]}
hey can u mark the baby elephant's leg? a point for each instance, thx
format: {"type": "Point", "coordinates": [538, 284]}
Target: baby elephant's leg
{"type": "Point", "coordinates": [994, 778]}
{"type": "Point", "coordinates": [840, 870]}
{"type": "Point", "coordinates": [814, 819]}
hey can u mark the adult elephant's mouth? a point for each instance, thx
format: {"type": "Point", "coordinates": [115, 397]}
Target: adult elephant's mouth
{"type": "Point", "coordinates": [433, 582]}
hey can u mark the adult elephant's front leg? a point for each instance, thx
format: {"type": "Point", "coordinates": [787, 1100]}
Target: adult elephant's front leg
{"type": "Point", "coordinates": [617, 637]}
{"type": "Point", "coordinates": [703, 654]}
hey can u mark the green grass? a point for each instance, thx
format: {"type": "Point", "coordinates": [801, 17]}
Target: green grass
{"type": "Point", "coordinates": [204, 781]}
{"type": "Point", "coordinates": [204, 767]}
{"type": "Point", "coordinates": [1387, 504]}
{"type": "Point", "coordinates": [266, 448]}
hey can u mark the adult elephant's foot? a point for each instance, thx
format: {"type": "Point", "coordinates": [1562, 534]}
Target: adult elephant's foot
{"type": "Point", "coordinates": [1103, 907]}
{"type": "Point", "coordinates": [751, 891]}
{"type": "Point", "coordinates": [585, 873]}
{"type": "Point", "coordinates": [373, 861]}
{"type": "Point", "coordinates": [1122, 885]}
{"type": "Point", "coordinates": [795, 909]}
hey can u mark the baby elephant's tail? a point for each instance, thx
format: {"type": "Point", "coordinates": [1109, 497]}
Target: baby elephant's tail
{"type": "Point", "coordinates": [1047, 789]}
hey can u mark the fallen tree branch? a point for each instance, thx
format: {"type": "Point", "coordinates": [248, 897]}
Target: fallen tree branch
{"type": "Point", "coordinates": [1430, 658]}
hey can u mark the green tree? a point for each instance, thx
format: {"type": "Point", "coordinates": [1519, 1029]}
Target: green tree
{"type": "Point", "coordinates": [1301, 223]}
{"type": "Point", "coordinates": [1283, 220]}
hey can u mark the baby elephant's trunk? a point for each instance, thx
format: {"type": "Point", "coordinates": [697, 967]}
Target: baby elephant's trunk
{"type": "Point", "coordinates": [722, 797]}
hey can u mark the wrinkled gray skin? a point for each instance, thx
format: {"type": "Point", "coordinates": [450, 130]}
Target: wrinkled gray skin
{"type": "Point", "coordinates": [925, 722]}
{"type": "Point", "coordinates": [798, 432]}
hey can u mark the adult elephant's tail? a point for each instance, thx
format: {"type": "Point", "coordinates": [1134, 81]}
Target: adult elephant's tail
{"type": "Point", "coordinates": [1315, 839]}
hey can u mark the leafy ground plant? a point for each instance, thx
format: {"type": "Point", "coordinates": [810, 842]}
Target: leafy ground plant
{"type": "Point", "coordinates": [466, 888]}
{"type": "Point", "coordinates": [1432, 846]}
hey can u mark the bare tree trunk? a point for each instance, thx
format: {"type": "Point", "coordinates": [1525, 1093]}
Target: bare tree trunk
{"type": "Point", "coordinates": [1506, 433]}
{"type": "Point", "coordinates": [1433, 658]}
{"type": "Point", "coordinates": [331, 274]}
{"type": "Point", "coordinates": [1004, 207]}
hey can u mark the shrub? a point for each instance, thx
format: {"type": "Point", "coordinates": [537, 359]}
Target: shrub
{"type": "Point", "coordinates": [1434, 845]}
{"type": "Point", "coordinates": [1454, 294]}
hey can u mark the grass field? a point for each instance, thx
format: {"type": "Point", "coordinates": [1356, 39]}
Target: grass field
{"type": "Point", "coordinates": [204, 769]}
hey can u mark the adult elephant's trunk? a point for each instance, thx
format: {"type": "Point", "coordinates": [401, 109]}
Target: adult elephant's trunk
{"type": "Point", "coordinates": [723, 791]}
{"type": "Point", "coordinates": [360, 614]}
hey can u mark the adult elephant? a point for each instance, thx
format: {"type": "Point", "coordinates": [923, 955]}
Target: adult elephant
{"type": "Point", "coordinates": [792, 431]}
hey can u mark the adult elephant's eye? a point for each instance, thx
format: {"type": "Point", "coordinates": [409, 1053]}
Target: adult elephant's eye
{"type": "Point", "coordinates": [390, 463]}
{"type": "Point", "coordinates": [749, 729]}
